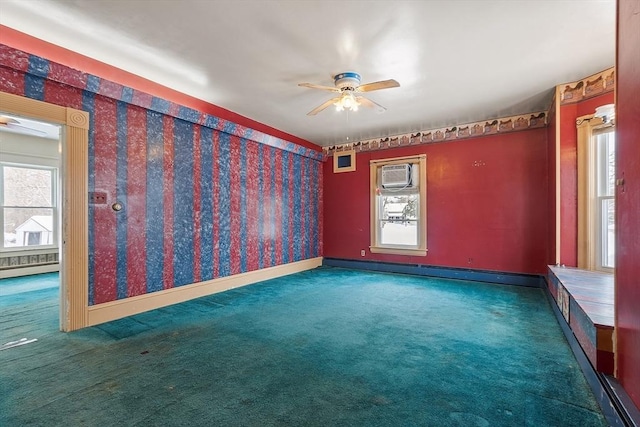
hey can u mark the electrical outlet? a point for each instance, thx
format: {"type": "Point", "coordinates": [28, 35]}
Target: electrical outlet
{"type": "Point", "coordinates": [362, 252]}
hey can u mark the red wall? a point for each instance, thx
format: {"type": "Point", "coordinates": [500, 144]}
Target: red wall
{"type": "Point", "coordinates": [569, 173]}
{"type": "Point", "coordinates": [490, 217]}
{"type": "Point", "coordinates": [628, 198]}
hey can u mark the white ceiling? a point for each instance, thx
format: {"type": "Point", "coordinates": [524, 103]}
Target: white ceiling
{"type": "Point", "coordinates": [457, 61]}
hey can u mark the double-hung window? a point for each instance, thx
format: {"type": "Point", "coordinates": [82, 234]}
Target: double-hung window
{"type": "Point", "coordinates": [399, 205]}
{"type": "Point", "coordinates": [596, 194]}
{"type": "Point", "coordinates": [604, 198]}
{"type": "Point", "coordinates": [28, 195]}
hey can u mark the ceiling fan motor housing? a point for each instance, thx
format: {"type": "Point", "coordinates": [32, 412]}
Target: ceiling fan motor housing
{"type": "Point", "coordinates": [347, 80]}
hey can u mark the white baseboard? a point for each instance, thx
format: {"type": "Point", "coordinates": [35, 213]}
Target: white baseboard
{"type": "Point", "coordinates": [127, 307]}
{"type": "Point", "coordinates": [27, 271]}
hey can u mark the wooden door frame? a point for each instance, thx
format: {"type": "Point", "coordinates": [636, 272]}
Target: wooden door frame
{"type": "Point", "coordinates": [74, 259]}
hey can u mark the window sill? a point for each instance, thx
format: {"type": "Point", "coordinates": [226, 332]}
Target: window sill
{"type": "Point", "coordinates": [25, 250]}
{"type": "Point", "coordinates": [397, 251]}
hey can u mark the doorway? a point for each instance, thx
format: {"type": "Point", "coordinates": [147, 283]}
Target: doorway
{"type": "Point", "coordinates": [30, 157]}
{"type": "Point", "coordinates": [72, 194]}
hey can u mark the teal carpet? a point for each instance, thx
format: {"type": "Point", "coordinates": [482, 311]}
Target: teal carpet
{"type": "Point", "coordinates": [24, 284]}
{"type": "Point", "coordinates": [328, 347]}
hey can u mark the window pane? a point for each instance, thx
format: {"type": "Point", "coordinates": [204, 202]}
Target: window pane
{"type": "Point", "coordinates": [27, 187]}
{"type": "Point", "coordinates": [608, 233]}
{"type": "Point", "coordinates": [398, 220]}
{"type": "Point", "coordinates": [399, 233]}
{"type": "Point", "coordinates": [28, 227]}
{"type": "Point", "coordinates": [606, 163]}
{"type": "Point", "coordinates": [400, 207]}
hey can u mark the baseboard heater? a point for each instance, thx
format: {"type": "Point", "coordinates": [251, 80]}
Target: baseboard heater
{"type": "Point", "coordinates": [517, 279]}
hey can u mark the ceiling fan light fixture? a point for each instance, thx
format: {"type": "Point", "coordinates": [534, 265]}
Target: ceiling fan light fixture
{"type": "Point", "coordinates": [347, 79]}
{"type": "Point", "coordinates": [347, 102]}
{"type": "Point", "coordinates": [346, 85]}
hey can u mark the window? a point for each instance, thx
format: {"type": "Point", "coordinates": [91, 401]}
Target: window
{"type": "Point", "coordinates": [605, 204]}
{"type": "Point", "coordinates": [596, 194]}
{"type": "Point", "coordinates": [399, 205]}
{"type": "Point", "coordinates": [28, 199]}
{"type": "Point", "coordinates": [32, 238]}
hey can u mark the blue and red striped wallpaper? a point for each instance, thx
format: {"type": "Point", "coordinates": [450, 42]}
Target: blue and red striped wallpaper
{"type": "Point", "coordinates": [203, 198]}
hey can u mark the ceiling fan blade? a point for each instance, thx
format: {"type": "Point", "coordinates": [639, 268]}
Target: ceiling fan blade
{"type": "Point", "coordinates": [384, 84]}
{"type": "Point", "coordinates": [11, 126]}
{"type": "Point", "coordinates": [323, 106]}
{"type": "Point", "coordinates": [312, 86]}
{"type": "Point", "coordinates": [4, 120]}
{"type": "Point", "coordinates": [366, 102]}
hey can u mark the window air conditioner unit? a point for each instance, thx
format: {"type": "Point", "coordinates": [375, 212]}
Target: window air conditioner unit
{"type": "Point", "coordinates": [394, 176]}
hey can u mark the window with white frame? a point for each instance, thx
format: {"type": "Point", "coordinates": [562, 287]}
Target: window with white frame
{"type": "Point", "coordinates": [399, 205]}
{"type": "Point", "coordinates": [604, 198]}
{"type": "Point", "coordinates": [28, 195]}
{"type": "Point", "coordinates": [596, 193]}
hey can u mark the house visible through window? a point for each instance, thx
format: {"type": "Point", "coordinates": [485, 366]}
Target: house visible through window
{"type": "Point", "coordinates": [398, 206]}
{"type": "Point", "coordinates": [28, 200]}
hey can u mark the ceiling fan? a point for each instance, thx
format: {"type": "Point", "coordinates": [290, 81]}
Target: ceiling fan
{"type": "Point", "coordinates": [13, 125]}
{"type": "Point", "coordinates": [348, 85]}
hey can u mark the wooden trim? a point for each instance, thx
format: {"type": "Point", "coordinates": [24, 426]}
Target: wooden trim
{"type": "Point", "coordinates": [129, 306]}
{"type": "Point", "coordinates": [75, 228]}
{"type": "Point", "coordinates": [373, 171]}
{"type": "Point", "coordinates": [374, 247]}
{"type": "Point", "coordinates": [587, 127]}
{"type": "Point", "coordinates": [585, 193]}
{"type": "Point", "coordinates": [558, 183]}
{"type": "Point", "coordinates": [604, 338]}
{"type": "Point", "coordinates": [351, 168]}
{"type": "Point", "coordinates": [74, 278]}
{"type": "Point", "coordinates": [397, 251]}
{"type": "Point", "coordinates": [32, 108]}
{"type": "Point", "coordinates": [399, 160]}
{"type": "Point", "coordinates": [423, 206]}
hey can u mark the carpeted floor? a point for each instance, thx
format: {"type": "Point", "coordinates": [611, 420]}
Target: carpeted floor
{"type": "Point", "coordinates": [327, 347]}
{"type": "Point", "coordinates": [25, 284]}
